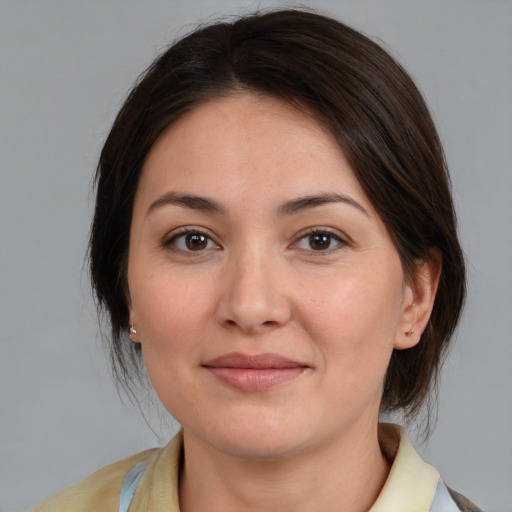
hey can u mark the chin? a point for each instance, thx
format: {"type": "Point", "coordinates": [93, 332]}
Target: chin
{"type": "Point", "coordinates": [263, 438]}
{"type": "Point", "coordinates": [261, 447]}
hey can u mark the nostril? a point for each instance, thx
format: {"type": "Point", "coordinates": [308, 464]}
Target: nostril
{"type": "Point", "coordinates": [252, 306]}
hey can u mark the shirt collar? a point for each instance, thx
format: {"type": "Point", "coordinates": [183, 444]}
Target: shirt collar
{"type": "Point", "coordinates": [410, 486]}
{"type": "Point", "coordinates": [411, 483]}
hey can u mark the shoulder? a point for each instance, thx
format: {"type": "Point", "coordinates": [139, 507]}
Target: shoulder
{"type": "Point", "coordinates": [99, 491]}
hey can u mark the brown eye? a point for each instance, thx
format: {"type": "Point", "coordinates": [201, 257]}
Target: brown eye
{"type": "Point", "coordinates": [196, 241]}
{"type": "Point", "coordinates": [192, 241]}
{"type": "Point", "coordinates": [320, 241]}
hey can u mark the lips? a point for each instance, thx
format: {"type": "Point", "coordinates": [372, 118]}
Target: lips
{"type": "Point", "coordinates": [254, 373]}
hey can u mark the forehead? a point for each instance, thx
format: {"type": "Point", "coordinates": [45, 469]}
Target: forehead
{"type": "Point", "coordinates": [248, 144]}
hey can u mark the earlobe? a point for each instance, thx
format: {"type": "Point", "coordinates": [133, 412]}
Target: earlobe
{"type": "Point", "coordinates": [419, 299]}
{"type": "Point", "coordinates": [133, 334]}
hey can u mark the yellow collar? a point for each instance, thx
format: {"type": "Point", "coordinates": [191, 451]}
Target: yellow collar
{"type": "Point", "coordinates": [411, 484]}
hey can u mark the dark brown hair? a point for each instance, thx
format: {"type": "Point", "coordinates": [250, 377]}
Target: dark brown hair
{"type": "Point", "coordinates": [355, 89]}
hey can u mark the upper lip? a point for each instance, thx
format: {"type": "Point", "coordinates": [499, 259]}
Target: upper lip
{"type": "Point", "coordinates": [245, 361]}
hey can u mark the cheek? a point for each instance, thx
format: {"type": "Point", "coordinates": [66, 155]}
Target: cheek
{"type": "Point", "coordinates": [171, 313]}
{"type": "Point", "coordinates": [354, 316]}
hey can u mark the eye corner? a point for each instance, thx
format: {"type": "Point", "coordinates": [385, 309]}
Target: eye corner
{"type": "Point", "coordinates": [327, 241]}
{"type": "Point", "coordinates": [190, 241]}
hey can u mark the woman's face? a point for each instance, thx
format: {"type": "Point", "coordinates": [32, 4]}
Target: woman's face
{"type": "Point", "coordinates": [266, 291]}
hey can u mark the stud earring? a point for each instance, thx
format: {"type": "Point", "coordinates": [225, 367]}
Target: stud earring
{"type": "Point", "coordinates": [411, 332]}
{"type": "Point", "coordinates": [133, 330]}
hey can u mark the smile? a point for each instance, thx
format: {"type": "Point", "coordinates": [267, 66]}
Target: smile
{"type": "Point", "coordinates": [254, 373]}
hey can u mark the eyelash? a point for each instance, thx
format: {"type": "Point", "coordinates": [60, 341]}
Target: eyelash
{"type": "Point", "coordinates": [170, 242]}
{"type": "Point", "coordinates": [326, 232]}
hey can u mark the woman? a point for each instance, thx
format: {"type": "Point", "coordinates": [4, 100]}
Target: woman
{"type": "Point", "coordinates": [275, 235]}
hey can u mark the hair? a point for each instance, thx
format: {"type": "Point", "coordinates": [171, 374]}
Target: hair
{"type": "Point", "coordinates": [352, 87]}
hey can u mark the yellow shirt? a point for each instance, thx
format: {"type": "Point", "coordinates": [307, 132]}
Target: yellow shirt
{"type": "Point", "coordinates": [411, 485]}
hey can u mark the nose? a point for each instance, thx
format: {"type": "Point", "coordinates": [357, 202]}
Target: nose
{"type": "Point", "coordinates": [254, 298]}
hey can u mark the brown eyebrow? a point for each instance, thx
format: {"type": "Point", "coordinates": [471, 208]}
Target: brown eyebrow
{"type": "Point", "coordinates": [304, 203]}
{"type": "Point", "coordinates": [187, 201]}
{"type": "Point", "coordinates": [289, 208]}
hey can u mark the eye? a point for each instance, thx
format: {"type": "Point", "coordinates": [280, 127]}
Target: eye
{"type": "Point", "coordinates": [191, 241]}
{"type": "Point", "coordinates": [320, 240]}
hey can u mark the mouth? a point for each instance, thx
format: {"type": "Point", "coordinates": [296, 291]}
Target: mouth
{"type": "Point", "coordinates": [254, 373]}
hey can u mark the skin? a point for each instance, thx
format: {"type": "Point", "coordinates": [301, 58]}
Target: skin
{"type": "Point", "coordinates": [258, 282]}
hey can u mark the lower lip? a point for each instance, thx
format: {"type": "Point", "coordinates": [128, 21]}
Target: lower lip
{"type": "Point", "coordinates": [255, 379]}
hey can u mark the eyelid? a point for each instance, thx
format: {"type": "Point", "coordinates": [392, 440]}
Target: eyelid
{"type": "Point", "coordinates": [319, 230]}
{"type": "Point", "coordinates": [169, 238]}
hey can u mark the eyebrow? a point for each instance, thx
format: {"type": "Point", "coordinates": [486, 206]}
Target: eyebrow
{"type": "Point", "coordinates": [292, 207]}
{"type": "Point", "coordinates": [187, 201]}
{"type": "Point", "coordinates": [305, 203]}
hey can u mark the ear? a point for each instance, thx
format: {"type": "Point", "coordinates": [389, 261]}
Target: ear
{"type": "Point", "coordinates": [419, 296]}
{"type": "Point", "coordinates": [133, 332]}
{"type": "Point", "coordinates": [132, 328]}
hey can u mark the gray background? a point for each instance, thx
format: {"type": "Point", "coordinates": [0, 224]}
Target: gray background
{"type": "Point", "coordinates": [65, 67]}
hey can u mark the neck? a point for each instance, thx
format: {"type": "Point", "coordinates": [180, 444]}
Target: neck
{"type": "Point", "coordinates": [347, 474]}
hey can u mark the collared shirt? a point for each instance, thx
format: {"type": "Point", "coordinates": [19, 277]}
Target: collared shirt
{"type": "Point", "coordinates": [148, 481]}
